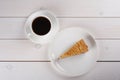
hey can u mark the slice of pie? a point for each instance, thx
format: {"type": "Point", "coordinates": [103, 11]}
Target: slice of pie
{"type": "Point", "coordinates": [79, 47]}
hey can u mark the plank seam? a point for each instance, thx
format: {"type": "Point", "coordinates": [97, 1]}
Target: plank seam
{"type": "Point", "coordinates": [59, 17]}
{"type": "Point", "coordinates": [50, 61]}
{"type": "Point", "coordinates": [28, 39]}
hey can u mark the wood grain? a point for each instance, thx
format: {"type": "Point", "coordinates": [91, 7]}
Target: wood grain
{"type": "Point", "coordinates": [13, 28]}
{"type": "Point", "coordinates": [24, 50]}
{"type": "Point", "coordinates": [62, 8]}
{"type": "Point", "coordinates": [100, 17]}
{"type": "Point", "coordinates": [44, 71]}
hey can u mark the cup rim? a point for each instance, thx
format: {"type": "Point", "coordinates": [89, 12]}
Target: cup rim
{"type": "Point", "coordinates": [36, 18]}
{"type": "Point", "coordinates": [31, 26]}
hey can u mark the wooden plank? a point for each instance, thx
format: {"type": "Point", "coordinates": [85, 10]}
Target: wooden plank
{"type": "Point", "coordinates": [99, 27]}
{"type": "Point", "coordinates": [13, 28]}
{"type": "Point", "coordinates": [26, 50]}
{"type": "Point", "coordinates": [62, 8]}
{"type": "Point", "coordinates": [109, 50]}
{"type": "Point", "coordinates": [44, 71]}
{"type": "Point", "coordinates": [22, 50]}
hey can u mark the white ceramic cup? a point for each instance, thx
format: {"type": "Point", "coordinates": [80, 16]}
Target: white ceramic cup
{"type": "Point", "coordinates": [42, 39]}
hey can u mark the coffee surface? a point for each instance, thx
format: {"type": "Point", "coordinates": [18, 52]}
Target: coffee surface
{"type": "Point", "coordinates": [41, 26]}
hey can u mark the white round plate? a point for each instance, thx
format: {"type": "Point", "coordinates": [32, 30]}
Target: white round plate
{"type": "Point", "coordinates": [75, 65]}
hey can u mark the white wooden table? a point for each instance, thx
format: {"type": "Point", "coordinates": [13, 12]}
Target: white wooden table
{"type": "Point", "coordinates": [21, 59]}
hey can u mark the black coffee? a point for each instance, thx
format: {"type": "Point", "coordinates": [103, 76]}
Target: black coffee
{"type": "Point", "coordinates": [41, 25]}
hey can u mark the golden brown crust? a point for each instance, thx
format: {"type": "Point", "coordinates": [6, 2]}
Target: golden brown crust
{"type": "Point", "coordinates": [78, 48]}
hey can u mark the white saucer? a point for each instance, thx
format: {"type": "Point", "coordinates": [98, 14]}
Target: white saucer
{"type": "Point", "coordinates": [44, 39]}
{"type": "Point", "coordinates": [75, 65]}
